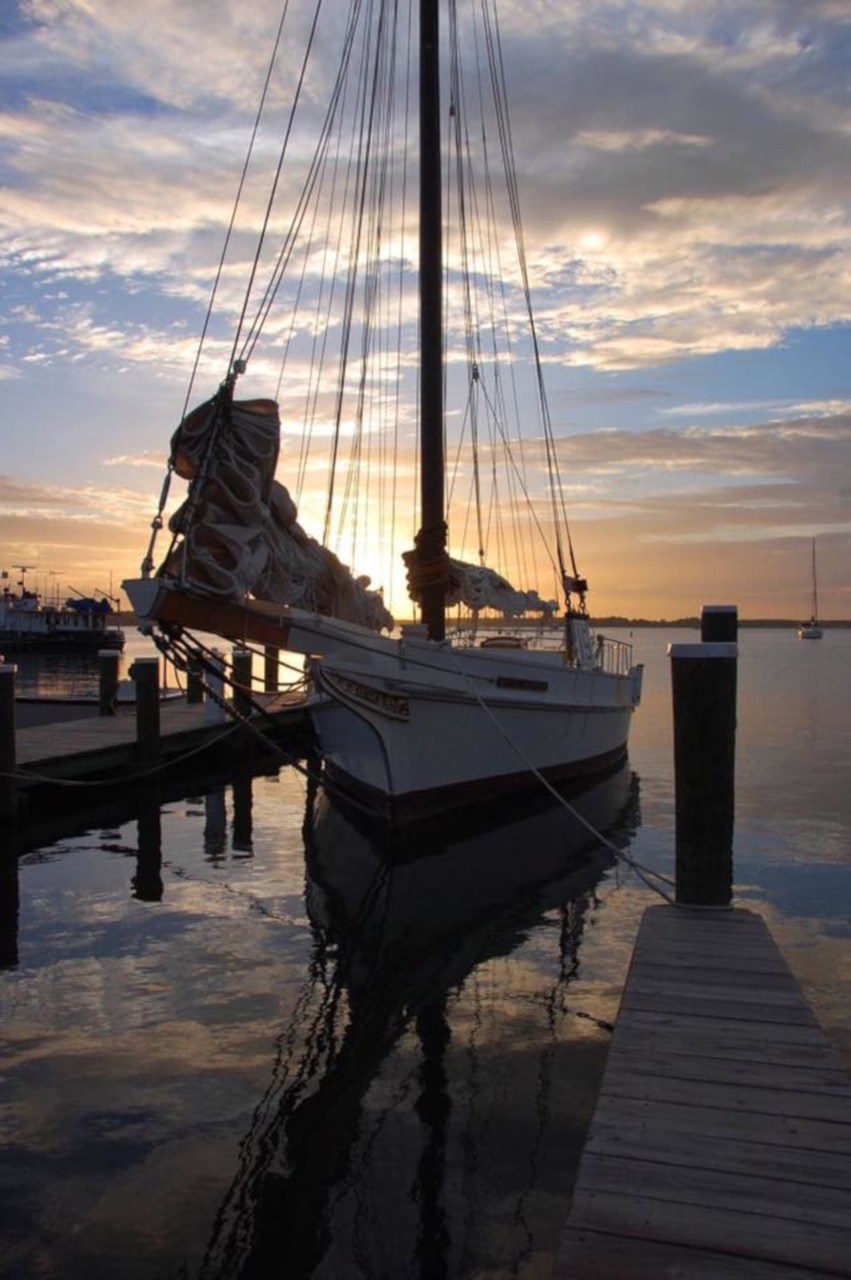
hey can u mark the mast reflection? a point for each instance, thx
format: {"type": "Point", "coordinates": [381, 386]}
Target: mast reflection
{"type": "Point", "coordinates": [399, 924]}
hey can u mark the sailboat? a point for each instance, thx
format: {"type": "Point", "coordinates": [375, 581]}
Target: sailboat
{"type": "Point", "coordinates": [811, 630]}
{"type": "Point", "coordinates": [409, 720]}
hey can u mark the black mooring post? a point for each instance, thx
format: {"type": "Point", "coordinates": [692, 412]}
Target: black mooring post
{"type": "Point", "coordinates": [241, 677]}
{"type": "Point", "coordinates": [719, 623]}
{"type": "Point", "coordinates": [108, 660]}
{"type": "Point", "coordinates": [703, 678]}
{"type": "Point", "coordinates": [147, 883]}
{"type": "Point", "coordinates": [146, 676]}
{"type": "Point", "coordinates": [194, 681]}
{"type": "Point", "coordinates": [270, 668]}
{"type": "Point", "coordinates": [9, 908]}
{"type": "Point", "coordinates": [8, 753]}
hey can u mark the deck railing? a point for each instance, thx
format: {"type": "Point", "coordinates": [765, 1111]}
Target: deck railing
{"type": "Point", "coordinates": [614, 656]}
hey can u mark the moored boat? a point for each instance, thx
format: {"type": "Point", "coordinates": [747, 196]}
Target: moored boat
{"type": "Point", "coordinates": [812, 629]}
{"type": "Point", "coordinates": [409, 722]}
{"type": "Point", "coordinates": [82, 625]}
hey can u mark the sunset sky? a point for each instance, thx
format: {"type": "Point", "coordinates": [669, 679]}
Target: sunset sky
{"type": "Point", "coordinates": [685, 178]}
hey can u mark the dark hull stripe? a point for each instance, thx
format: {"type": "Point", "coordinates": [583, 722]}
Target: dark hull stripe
{"type": "Point", "coordinates": [414, 805]}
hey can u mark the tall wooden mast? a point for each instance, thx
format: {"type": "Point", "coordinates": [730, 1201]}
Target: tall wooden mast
{"type": "Point", "coordinates": [431, 318]}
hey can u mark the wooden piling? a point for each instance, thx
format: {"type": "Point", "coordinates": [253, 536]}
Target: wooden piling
{"type": "Point", "coordinates": [146, 675]}
{"type": "Point", "coordinates": [108, 660]}
{"type": "Point", "coordinates": [147, 882]}
{"type": "Point", "coordinates": [214, 712]}
{"type": "Point", "coordinates": [194, 682]}
{"type": "Point", "coordinates": [703, 680]}
{"type": "Point", "coordinates": [9, 909]}
{"type": "Point", "coordinates": [8, 755]}
{"type": "Point", "coordinates": [241, 677]}
{"type": "Point", "coordinates": [270, 669]}
{"type": "Point", "coordinates": [719, 623]}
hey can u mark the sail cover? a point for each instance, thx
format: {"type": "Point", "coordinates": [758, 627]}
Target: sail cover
{"type": "Point", "coordinates": [479, 587]}
{"type": "Point", "coordinates": [240, 534]}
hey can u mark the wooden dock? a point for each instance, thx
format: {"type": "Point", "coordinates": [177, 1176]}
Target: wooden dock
{"type": "Point", "coordinates": [721, 1142]}
{"type": "Point", "coordinates": [103, 747]}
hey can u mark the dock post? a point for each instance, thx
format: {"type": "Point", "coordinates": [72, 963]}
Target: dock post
{"type": "Point", "coordinates": [719, 623]}
{"type": "Point", "coordinates": [146, 675]}
{"type": "Point", "coordinates": [108, 660]}
{"type": "Point", "coordinates": [8, 754]}
{"type": "Point", "coordinates": [243, 799]}
{"type": "Point", "coordinates": [214, 712]}
{"type": "Point", "coordinates": [147, 883]}
{"type": "Point", "coordinates": [194, 682]}
{"type": "Point", "coordinates": [241, 677]}
{"type": "Point", "coordinates": [9, 909]}
{"type": "Point", "coordinates": [703, 678]}
{"type": "Point", "coordinates": [270, 669]}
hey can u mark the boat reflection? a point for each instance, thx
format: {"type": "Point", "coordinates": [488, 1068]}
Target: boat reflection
{"type": "Point", "coordinates": [398, 925]}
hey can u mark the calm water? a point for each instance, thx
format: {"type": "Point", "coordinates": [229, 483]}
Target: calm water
{"type": "Point", "coordinates": [235, 1043]}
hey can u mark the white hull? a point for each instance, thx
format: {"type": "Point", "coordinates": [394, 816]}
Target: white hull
{"type": "Point", "coordinates": [413, 726]}
{"type": "Point", "coordinates": [410, 737]}
{"type": "Point", "coordinates": [810, 631]}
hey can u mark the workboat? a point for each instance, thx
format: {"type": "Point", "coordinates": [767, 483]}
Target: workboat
{"type": "Point", "coordinates": [80, 625]}
{"type": "Point", "coordinates": [406, 720]}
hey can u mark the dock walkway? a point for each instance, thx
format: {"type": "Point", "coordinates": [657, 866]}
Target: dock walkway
{"type": "Point", "coordinates": [721, 1142]}
{"type": "Point", "coordinates": [77, 750]}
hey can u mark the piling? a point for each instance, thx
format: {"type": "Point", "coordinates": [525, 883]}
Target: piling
{"type": "Point", "coordinates": [719, 623]}
{"type": "Point", "coordinates": [108, 660]}
{"type": "Point", "coordinates": [147, 883]}
{"type": "Point", "coordinates": [270, 669]}
{"type": "Point", "coordinates": [9, 909]}
{"type": "Point", "coordinates": [241, 676]}
{"type": "Point", "coordinates": [214, 712]}
{"type": "Point", "coordinates": [194, 682]}
{"type": "Point", "coordinates": [146, 675]}
{"type": "Point", "coordinates": [242, 840]}
{"type": "Point", "coordinates": [8, 756]}
{"type": "Point", "coordinates": [703, 678]}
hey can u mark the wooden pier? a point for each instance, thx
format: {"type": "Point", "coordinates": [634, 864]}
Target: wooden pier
{"type": "Point", "coordinates": [55, 759]}
{"type": "Point", "coordinates": [721, 1142]}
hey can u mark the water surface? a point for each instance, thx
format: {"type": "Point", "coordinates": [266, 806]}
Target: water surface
{"type": "Point", "coordinates": [235, 1031]}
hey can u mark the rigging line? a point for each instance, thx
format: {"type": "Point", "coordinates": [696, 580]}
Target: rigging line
{"type": "Point", "coordinates": [296, 303]}
{"type": "Point", "coordinates": [394, 482]}
{"type": "Point", "coordinates": [323, 314]}
{"type": "Point", "coordinates": [456, 113]}
{"type": "Point", "coordinates": [168, 644]}
{"type": "Point", "coordinates": [271, 201]}
{"type": "Point", "coordinates": [361, 168]}
{"type": "Point", "coordinates": [491, 253]}
{"type": "Point", "coordinates": [509, 453]}
{"type": "Point", "coordinates": [380, 122]}
{"type": "Point", "coordinates": [236, 203]}
{"type": "Point", "coordinates": [494, 46]}
{"type": "Point", "coordinates": [299, 215]}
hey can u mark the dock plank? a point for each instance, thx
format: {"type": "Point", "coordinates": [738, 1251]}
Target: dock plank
{"type": "Point", "coordinates": [72, 748]}
{"type": "Point", "coordinates": [721, 1141]}
{"type": "Point", "coordinates": [597, 1255]}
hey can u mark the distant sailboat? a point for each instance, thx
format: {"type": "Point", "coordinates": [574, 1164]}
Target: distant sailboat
{"type": "Point", "coordinates": [811, 630]}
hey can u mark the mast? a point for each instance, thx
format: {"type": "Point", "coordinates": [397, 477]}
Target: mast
{"type": "Point", "coordinates": [431, 318]}
{"type": "Point", "coordinates": [815, 587]}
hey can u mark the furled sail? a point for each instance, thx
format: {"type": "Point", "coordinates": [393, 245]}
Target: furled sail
{"type": "Point", "coordinates": [479, 587]}
{"type": "Point", "coordinates": [238, 527]}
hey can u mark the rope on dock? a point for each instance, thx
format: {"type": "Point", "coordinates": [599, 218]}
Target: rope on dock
{"type": "Point", "coordinates": [32, 775]}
